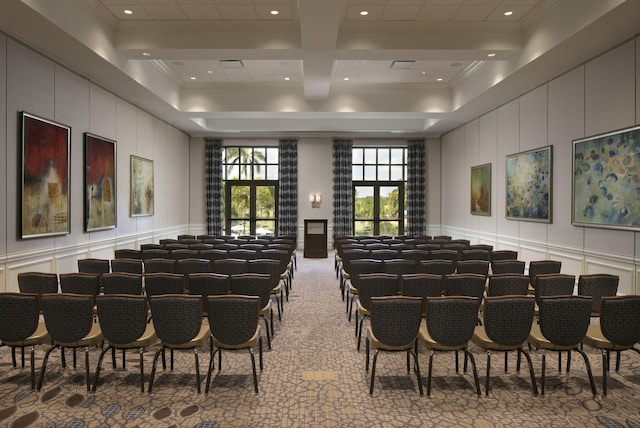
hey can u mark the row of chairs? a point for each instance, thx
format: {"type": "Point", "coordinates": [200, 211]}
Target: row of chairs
{"type": "Point", "coordinates": [508, 325]}
{"type": "Point", "coordinates": [122, 324]}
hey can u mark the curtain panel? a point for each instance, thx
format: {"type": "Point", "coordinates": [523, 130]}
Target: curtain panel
{"type": "Point", "coordinates": [415, 188]}
{"type": "Point", "coordinates": [342, 187]}
{"type": "Point", "coordinates": [213, 185]}
{"type": "Point", "coordinates": [288, 187]}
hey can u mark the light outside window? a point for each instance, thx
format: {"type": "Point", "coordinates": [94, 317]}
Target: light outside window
{"type": "Point", "coordinates": [250, 177]}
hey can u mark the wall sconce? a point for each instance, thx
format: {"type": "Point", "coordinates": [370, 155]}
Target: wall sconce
{"type": "Point", "coordinates": [315, 199]}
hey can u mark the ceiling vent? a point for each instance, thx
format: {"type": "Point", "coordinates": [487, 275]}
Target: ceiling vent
{"type": "Point", "coordinates": [403, 64]}
{"type": "Point", "coordinates": [231, 63]}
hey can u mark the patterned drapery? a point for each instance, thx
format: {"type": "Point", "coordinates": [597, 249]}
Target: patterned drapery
{"type": "Point", "coordinates": [415, 188]}
{"type": "Point", "coordinates": [213, 185]}
{"type": "Point", "coordinates": [342, 188]}
{"type": "Point", "coordinates": [288, 187]}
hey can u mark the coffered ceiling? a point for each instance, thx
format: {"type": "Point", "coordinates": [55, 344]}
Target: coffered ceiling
{"type": "Point", "coordinates": [283, 67]}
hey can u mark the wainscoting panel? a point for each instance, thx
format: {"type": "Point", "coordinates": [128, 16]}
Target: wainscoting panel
{"type": "Point", "coordinates": [14, 266]}
{"type": "Point", "coordinates": [627, 271]}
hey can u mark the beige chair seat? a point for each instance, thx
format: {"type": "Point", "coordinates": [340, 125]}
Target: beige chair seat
{"type": "Point", "coordinates": [198, 340]}
{"type": "Point", "coordinates": [481, 340]}
{"type": "Point", "coordinates": [41, 335]}
{"type": "Point", "coordinates": [148, 338]}
{"type": "Point", "coordinates": [377, 344]}
{"type": "Point", "coordinates": [429, 342]}
{"type": "Point", "coordinates": [249, 343]}
{"type": "Point", "coordinates": [95, 335]}
{"type": "Point", "coordinates": [595, 338]}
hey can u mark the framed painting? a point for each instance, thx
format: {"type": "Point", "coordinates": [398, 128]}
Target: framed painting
{"type": "Point", "coordinates": [481, 189]}
{"type": "Point", "coordinates": [99, 183]}
{"type": "Point", "coordinates": [141, 203]}
{"type": "Point", "coordinates": [605, 180]}
{"type": "Point", "coordinates": [528, 190]}
{"type": "Point", "coordinates": [45, 177]}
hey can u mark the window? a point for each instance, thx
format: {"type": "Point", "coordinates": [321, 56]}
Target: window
{"type": "Point", "coordinates": [379, 182]}
{"type": "Point", "coordinates": [250, 177]}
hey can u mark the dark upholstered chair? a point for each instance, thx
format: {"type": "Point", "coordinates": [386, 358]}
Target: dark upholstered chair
{"type": "Point", "coordinates": [541, 267]}
{"type": "Point", "coordinates": [38, 282]}
{"type": "Point", "coordinates": [479, 267]}
{"type": "Point", "coordinates": [177, 319]}
{"type": "Point", "coordinates": [506, 327]}
{"type": "Point", "coordinates": [190, 266]}
{"type": "Point", "coordinates": [564, 321]}
{"type": "Point", "coordinates": [230, 266]}
{"type": "Point", "coordinates": [275, 270]}
{"type": "Point", "coordinates": [394, 327]}
{"type": "Point", "coordinates": [207, 284]}
{"type": "Point", "coordinates": [155, 253]}
{"type": "Point", "coordinates": [122, 283]}
{"type": "Point", "coordinates": [508, 266]}
{"type": "Point", "coordinates": [450, 324]}
{"type": "Point", "coordinates": [554, 284]}
{"type": "Point", "coordinates": [400, 266]}
{"type": "Point", "coordinates": [163, 283]}
{"type": "Point", "coordinates": [438, 267]}
{"type": "Point", "coordinates": [90, 265]}
{"type": "Point", "coordinates": [184, 253]}
{"type": "Point", "coordinates": [597, 286]}
{"type": "Point", "coordinates": [475, 254]}
{"type": "Point", "coordinates": [159, 266]}
{"type": "Point", "coordinates": [619, 330]}
{"type": "Point", "coordinates": [421, 285]}
{"type": "Point", "coordinates": [126, 265]}
{"type": "Point", "coordinates": [20, 326]}
{"type": "Point", "coordinates": [69, 321]}
{"type": "Point", "coordinates": [504, 255]}
{"type": "Point", "coordinates": [373, 285]}
{"type": "Point", "coordinates": [465, 284]}
{"type": "Point", "coordinates": [508, 284]}
{"type": "Point", "coordinates": [80, 283]}
{"type": "Point", "coordinates": [127, 253]}
{"type": "Point", "coordinates": [123, 321]}
{"type": "Point", "coordinates": [233, 321]}
{"type": "Point", "coordinates": [256, 284]}
{"type": "Point", "coordinates": [357, 268]}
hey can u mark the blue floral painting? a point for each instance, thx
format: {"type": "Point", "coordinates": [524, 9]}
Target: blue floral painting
{"type": "Point", "coordinates": [606, 185]}
{"type": "Point", "coordinates": [529, 185]}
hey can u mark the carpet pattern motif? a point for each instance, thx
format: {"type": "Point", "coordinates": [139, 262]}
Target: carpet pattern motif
{"type": "Point", "coordinates": [315, 377]}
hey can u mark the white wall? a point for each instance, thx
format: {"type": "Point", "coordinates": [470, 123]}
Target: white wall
{"type": "Point", "coordinates": [31, 82]}
{"type": "Point", "coordinates": [600, 95]}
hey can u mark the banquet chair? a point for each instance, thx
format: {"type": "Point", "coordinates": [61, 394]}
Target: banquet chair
{"type": "Point", "coordinates": [395, 323]}
{"type": "Point", "coordinates": [38, 282]}
{"type": "Point", "coordinates": [438, 267]}
{"type": "Point", "coordinates": [213, 254]}
{"type": "Point", "coordinates": [563, 324]}
{"type": "Point", "coordinates": [541, 267]}
{"type": "Point", "coordinates": [465, 284]}
{"type": "Point", "coordinates": [20, 326]}
{"type": "Point", "coordinates": [233, 321]}
{"type": "Point", "coordinates": [507, 284]}
{"type": "Point", "coordinates": [554, 284]}
{"type": "Point", "coordinates": [69, 321]}
{"type": "Point", "coordinates": [155, 253]}
{"type": "Point", "coordinates": [445, 254]}
{"type": "Point", "coordinates": [80, 283]}
{"type": "Point", "coordinates": [190, 266]}
{"type": "Point", "coordinates": [373, 285]}
{"type": "Point", "coordinates": [230, 266]}
{"type": "Point", "coordinates": [506, 326]}
{"type": "Point", "coordinates": [274, 269]}
{"type": "Point", "coordinates": [450, 324]}
{"type": "Point", "coordinates": [184, 253]}
{"type": "Point", "coordinates": [159, 266]}
{"type": "Point", "coordinates": [357, 268]}
{"type": "Point", "coordinates": [256, 284]}
{"type": "Point", "coordinates": [90, 265]}
{"type": "Point", "coordinates": [207, 284]}
{"type": "Point", "coordinates": [127, 253]}
{"type": "Point", "coordinates": [126, 265]}
{"type": "Point", "coordinates": [507, 266]}
{"type": "Point", "coordinates": [163, 283]}
{"type": "Point", "coordinates": [475, 254]}
{"type": "Point", "coordinates": [122, 283]}
{"type": "Point", "coordinates": [597, 285]}
{"type": "Point", "coordinates": [619, 330]}
{"type": "Point", "coordinates": [480, 267]}
{"type": "Point", "coordinates": [504, 255]}
{"type": "Point", "coordinates": [123, 322]}
{"type": "Point", "coordinates": [177, 320]}
{"type": "Point", "coordinates": [400, 266]}
{"type": "Point", "coordinates": [421, 285]}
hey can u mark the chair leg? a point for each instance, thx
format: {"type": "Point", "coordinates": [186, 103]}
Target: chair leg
{"type": "Point", "coordinates": [266, 327]}
{"type": "Point", "coordinates": [195, 354]}
{"type": "Point", "coordinates": [475, 371]}
{"type": "Point", "coordinates": [153, 368]}
{"type": "Point", "coordinates": [586, 362]}
{"type": "Point", "coordinates": [605, 366]}
{"type": "Point", "coordinates": [141, 350]}
{"type": "Point", "coordinates": [373, 370]}
{"type": "Point", "coordinates": [367, 358]}
{"type": "Point", "coordinates": [534, 384]}
{"type": "Point", "coordinates": [253, 367]}
{"type": "Point", "coordinates": [417, 366]}
{"type": "Point", "coordinates": [360, 332]}
{"type": "Point", "coordinates": [86, 367]}
{"type": "Point", "coordinates": [260, 352]}
{"type": "Point", "coordinates": [486, 381]}
{"type": "Point", "coordinates": [544, 367]}
{"type": "Point", "coordinates": [430, 371]}
{"type": "Point", "coordinates": [33, 370]}
{"type": "Point", "coordinates": [99, 366]}
{"type": "Point", "coordinates": [212, 355]}
{"type": "Point", "coordinates": [44, 366]}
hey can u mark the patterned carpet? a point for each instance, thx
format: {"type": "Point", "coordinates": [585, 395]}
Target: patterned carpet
{"type": "Point", "coordinates": [315, 377]}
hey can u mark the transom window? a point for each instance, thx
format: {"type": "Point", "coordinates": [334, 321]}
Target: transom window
{"type": "Point", "coordinates": [379, 182]}
{"type": "Point", "coordinates": [250, 190]}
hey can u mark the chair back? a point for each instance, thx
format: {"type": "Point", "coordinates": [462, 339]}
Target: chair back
{"type": "Point", "coordinates": [504, 255]}
{"type": "Point", "coordinates": [233, 319]}
{"type": "Point", "coordinates": [554, 284]}
{"type": "Point", "coordinates": [564, 320]}
{"type": "Point", "coordinates": [159, 266]}
{"type": "Point", "coordinates": [38, 282]}
{"type": "Point", "coordinates": [184, 253]}
{"type": "Point", "coordinates": [541, 267]}
{"type": "Point", "coordinates": [122, 283]}
{"type": "Point", "coordinates": [376, 285]}
{"type": "Point", "coordinates": [508, 319]}
{"type": "Point", "coordinates": [465, 284]}
{"type": "Point", "coordinates": [400, 266]}
{"type": "Point", "coordinates": [415, 254]}
{"type": "Point", "coordinates": [230, 266]}
{"type": "Point", "coordinates": [438, 267]}
{"type": "Point", "coordinates": [508, 284]}
{"type": "Point", "coordinates": [207, 284]}
{"type": "Point", "coordinates": [507, 266]}
{"type": "Point", "coordinates": [163, 283]}
{"type": "Point", "coordinates": [68, 316]}
{"type": "Point", "coordinates": [99, 266]}
{"type": "Point", "coordinates": [445, 254]}
{"type": "Point", "coordinates": [363, 266]}
{"type": "Point", "coordinates": [243, 253]}
{"type": "Point", "coordinates": [213, 254]}
{"type": "Point", "coordinates": [177, 318]}
{"type": "Point", "coordinates": [155, 253]}
{"type": "Point", "coordinates": [126, 265]}
{"type": "Point", "coordinates": [451, 320]}
{"type": "Point", "coordinates": [597, 286]}
{"type": "Point", "coordinates": [475, 254]}
{"type": "Point", "coordinates": [128, 253]}
{"type": "Point", "coordinates": [620, 319]}
{"type": "Point", "coordinates": [384, 254]}
{"type": "Point", "coordinates": [395, 320]}
{"type": "Point", "coordinates": [80, 283]}
{"type": "Point", "coordinates": [190, 266]}
{"type": "Point", "coordinates": [480, 267]}
{"type": "Point", "coordinates": [122, 317]}
{"type": "Point", "coordinates": [19, 314]}
{"type": "Point", "coordinates": [252, 284]}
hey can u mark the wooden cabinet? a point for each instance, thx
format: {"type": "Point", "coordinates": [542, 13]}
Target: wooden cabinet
{"type": "Point", "coordinates": [315, 239]}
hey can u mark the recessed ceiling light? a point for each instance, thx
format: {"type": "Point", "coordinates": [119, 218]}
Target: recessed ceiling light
{"type": "Point", "coordinates": [439, 79]}
{"type": "Point", "coordinates": [146, 54]}
{"type": "Point", "coordinates": [491, 55]}
{"type": "Point", "coordinates": [128, 12]}
{"type": "Point", "coordinates": [508, 13]}
{"type": "Point", "coordinates": [364, 13]}
{"type": "Point", "coordinates": [345, 79]}
{"type": "Point", "coordinates": [424, 72]}
{"type": "Point", "coordinates": [210, 71]}
{"type": "Point", "coordinates": [274, 12]}
{"type": "Point", "coordinates": [287, 78]}
{"type": "Point", "coordinates": [192, 77]}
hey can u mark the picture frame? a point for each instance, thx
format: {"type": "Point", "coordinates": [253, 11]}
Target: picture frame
{"type": "Point", "coordinates": [45, 177]}
{"type": "Point", "coordinates": [605, 180]}
{"type": "Point", "coordinates": [142, 189]}
{"type": "Point", "coordinates": [100, 211]}
{"type": "Point", "coordinates": [529, 185]}
{"type": "Point", "coordinates": [480, 202]}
